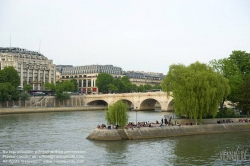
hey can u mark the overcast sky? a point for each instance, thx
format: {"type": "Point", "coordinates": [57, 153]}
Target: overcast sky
{"type": "Point", "coordinates": [140, 35]}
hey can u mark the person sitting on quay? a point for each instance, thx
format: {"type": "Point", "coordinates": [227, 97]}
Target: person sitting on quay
{"type": "Point", "coordinates": [98, 126]}
{"type": "Point", "coordinates": [103, 126]}
{"type": "Point", "coordinates": [165, 121]}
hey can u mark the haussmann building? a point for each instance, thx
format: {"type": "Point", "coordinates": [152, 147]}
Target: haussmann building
{"type": "Point", "coordinates": [32, 67]}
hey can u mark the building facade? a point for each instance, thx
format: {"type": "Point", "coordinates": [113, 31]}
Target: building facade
{"type": "Point", "coordinates": [32, 67]}
{"type": "Point", "coordinates": [142, 78]}
{"type": "Point", "coordinates": [86, 75]}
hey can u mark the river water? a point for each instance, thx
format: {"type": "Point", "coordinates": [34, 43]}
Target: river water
{"type": "Point", "coordinates": [59, 138]}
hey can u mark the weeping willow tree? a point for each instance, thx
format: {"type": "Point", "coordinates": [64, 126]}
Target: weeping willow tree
{"type": "Point", "coordinates": [197, 89]}
{"type": "Point", "coordinates": [117, 114]}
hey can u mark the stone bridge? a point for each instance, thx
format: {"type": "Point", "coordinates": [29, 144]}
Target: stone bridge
{"type": "Point", "coordinates": [139, 101]}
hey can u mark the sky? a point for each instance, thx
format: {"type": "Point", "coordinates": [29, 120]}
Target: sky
{"type": "Point", "coordinates": [139, 35]}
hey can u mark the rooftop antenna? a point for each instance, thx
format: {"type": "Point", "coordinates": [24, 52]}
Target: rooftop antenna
{"type": "Point", "coordinates": [10, 41]}
{"type": "Point", "coordinates": [39, 46]}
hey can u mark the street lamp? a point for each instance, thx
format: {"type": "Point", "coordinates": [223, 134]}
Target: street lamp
{"type": "Point", "coordinates": [136, 115]}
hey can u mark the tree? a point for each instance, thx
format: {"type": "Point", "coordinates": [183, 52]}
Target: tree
{"type": "Point", "coordinates": [62, 90]}
{"type": "Point", "coordinates": [119, 85]}
{"type": "Point", "coordinates": [141, 88]}
{"type": "Point", "coordinates": [4, 91]}
{"type": "Point", "coordinates": [67, 86]}
{"type": "Point", "coordinates": [243, 95]}
{"type": "Point", "coordinates": [197, 89]}
{"type": "Point", "coordinates": [24, 97]}
{"type": "Point", "coordinates": [230, 71]}
{"type": "Point", "coordinates": [27, 87]}
{"type": "Point", "coordinates": [242, 60]}
{"type": "Point", "coordinates": [8, 92]}
{"type": "Point", "coordinates": [74, 82]}
{"type": "Point", "coordinates": [49, 86]}
{"type": "Point", "coordinates": [103, 80]}
{"type": "Point", "coordinates": [234, 68]}
{"type": "Point", "coordinates": [157, 86]}
{"type": "Point", "coordinates": [112, 88]}
{"type": "Point", "coordinates": [15, 95]}
{"type": "Point", "coordinates": [147, 87]}
{"type": "Point", "coordinates": [127, 84]}
{"type": "Point", "coordinates": [134, 88]}
{"type": "Point", "coordinates": [117, 114]}
{"type": "Point", "coordinates": [9, 74]}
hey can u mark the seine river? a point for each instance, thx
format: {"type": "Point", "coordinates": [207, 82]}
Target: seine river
{"type": "Point", "coordinates": [60, 139]}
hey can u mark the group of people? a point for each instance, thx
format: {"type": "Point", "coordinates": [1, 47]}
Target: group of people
{"type": "Point", "coordinates": [132, 125]}
{"type": "Point", "coordinates": [103, 126]}
{"type": "Point", "coordinates": [244, 120]}
{"type": "Point", "coordinates": [224, 121]}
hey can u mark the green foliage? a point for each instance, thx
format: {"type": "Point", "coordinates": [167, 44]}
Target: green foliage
{"type": "Point", "coordinates": [74, 82]}
{"type": "Point", "coordinates": [158, 86]}
{"type": "Point", "coordinates": [126, 84]}
{"type": "Point", "coordinates": [62, 96]}
{"type": "Point", "coordinates": [119, 85]}
{"type": "Point", "coordinates": [134, 88]}
{"type": "Point", "coordinates": [243, 95]}
{"type": "Point", "coordinates": [62, 90]}
{"type": "Point", "coordinates": [117, 114]}
{"type": "Point", "coordinates": [4, 91]}
{"type": "Point", "coordinates": [141, 88]}
{"type": "Point", "coordinates": [242, 60]}
{"type": "Point", "coordinates": [106, 83]}
{"type": "Point", "coordinates": [226, 113]}
{"type": "Point", "coordinates": [236, 68]}
{"type": "Point", "coordinates": [147, 87]}
{"type": "Point", "coordinates": [102, 82]}
{"type": "Point", "coordinates": [197, 89]}
{"type": "Point", "coordinates": [9, 74]}
{"type": "Point", "coordinates": [112, 88]}
{"type": "Point", "coordinates": [15, 95]}
{"type": "Point", "coordinates": [27, 87]}
{"type": "Point", "coordinates": [25, 96]}
{"type": "Point", "coordinates": [49, 86]}
{"type": "Point", "coordinates": [8, 92]}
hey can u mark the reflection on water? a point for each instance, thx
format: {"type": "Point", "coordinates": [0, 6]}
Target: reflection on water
{"type": "Point", "coordinates": [67, 131]}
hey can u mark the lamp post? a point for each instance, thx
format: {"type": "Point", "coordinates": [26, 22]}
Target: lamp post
{"type": "Point", "coordinates": [136, 115]}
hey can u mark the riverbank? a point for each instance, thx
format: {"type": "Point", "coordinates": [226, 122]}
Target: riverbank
{"type": "Point", "coordinates": [166, 131]}
{"type": "Point", "coordinates": [47, 109]}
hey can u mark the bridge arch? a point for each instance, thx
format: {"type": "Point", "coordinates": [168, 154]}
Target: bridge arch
{"type": "Point", "coordinates": [129, 103]}
{"type": "Point", "coordinates": [97, 103]}
{"type": "Point", "coordinates": [149, 104]}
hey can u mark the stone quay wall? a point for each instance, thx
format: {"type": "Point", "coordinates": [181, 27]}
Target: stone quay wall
{"type": "Point", "coordinates": [48, 109]}
{"type": "Point", "coordinates": [45, 101]}
{"type": "Point", "coordinates": [166, 131]}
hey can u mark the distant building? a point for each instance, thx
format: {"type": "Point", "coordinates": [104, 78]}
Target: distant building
{"type": "Point", "coordinates": [86, 75]}
{"type": "Point", "coordinates": [142, 78]}
{"type": "Point", "coordinates": [58, 76]}
{"type": "Point", "coordinates": [59, 68]}
{"type": "Point", "coordinates": [32, 67]}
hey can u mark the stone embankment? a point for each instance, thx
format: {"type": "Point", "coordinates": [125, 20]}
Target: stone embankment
{"type": "Point", "coordinates": [47, 109]}
{"type": "Point", "coordinates": [166, 131]}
